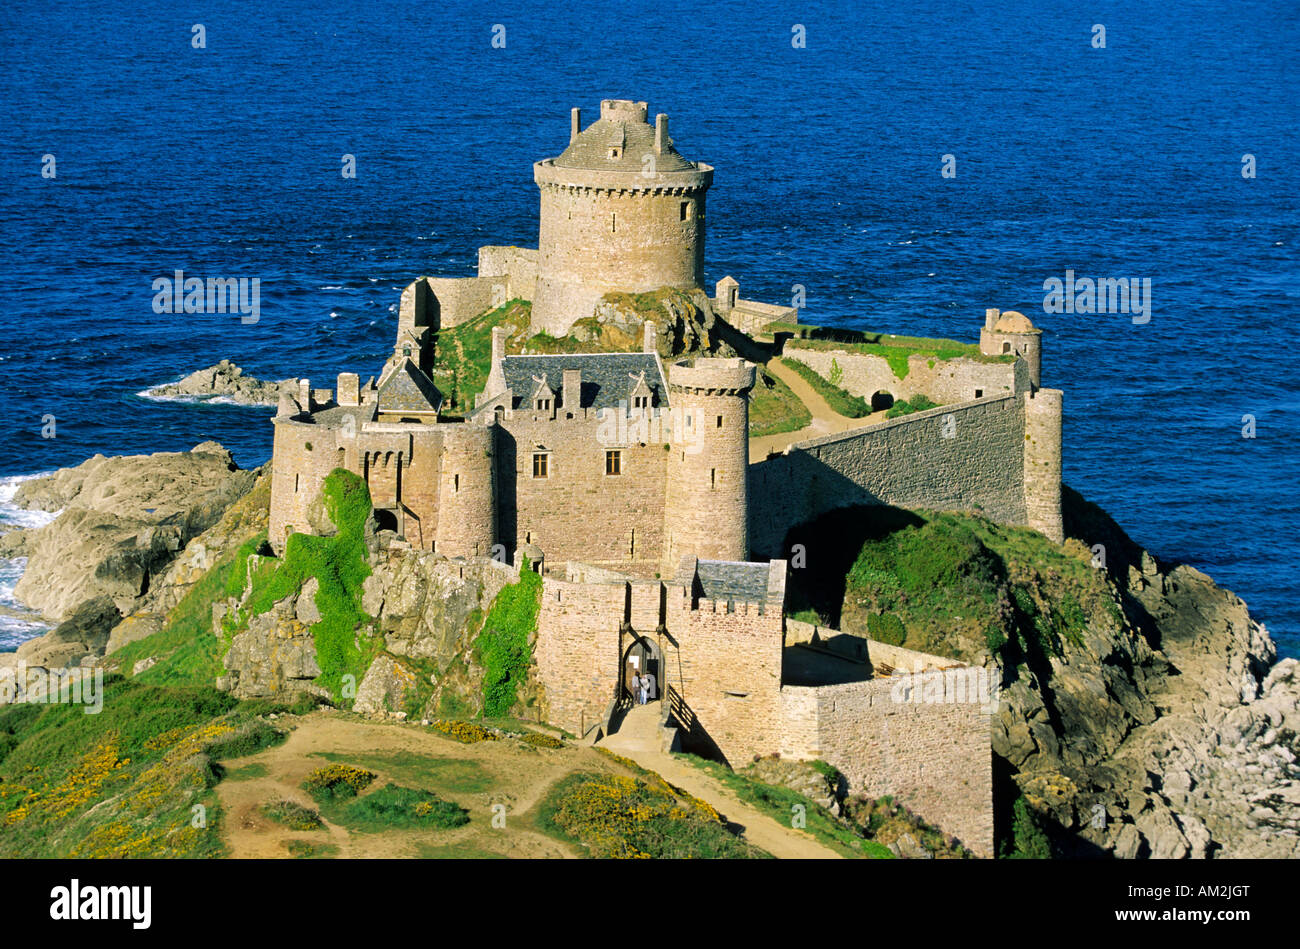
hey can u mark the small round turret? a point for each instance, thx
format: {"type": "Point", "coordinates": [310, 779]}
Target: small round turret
{"type": "Point", "coordinates": [707, 509]}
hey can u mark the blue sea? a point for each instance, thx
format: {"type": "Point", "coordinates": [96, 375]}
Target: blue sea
{"type": "Point", "coordinates": [1122, 161]}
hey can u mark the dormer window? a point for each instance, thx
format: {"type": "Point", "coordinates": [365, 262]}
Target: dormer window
{"type": "Point", "coordinates": [406, 350]}
{"type": "Point", "coordinates": [640, 401]}
{"type": "Point", "coordinates": [543, 405]}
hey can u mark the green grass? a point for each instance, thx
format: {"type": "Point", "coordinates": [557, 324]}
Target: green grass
{"type": "Point", "coordinates": [611, 816]}
{"type": "Point", "coordinates": [246, 772]}
{"type": "Point", "coordinates": [782, 804]}
{"type": "Point", "coordinates": [464, 353]}
{"type": "Point", "coordinates": [895, 350]}
{"type": "Point", "coordinates": [453, 775]}
{"type": "Point", "coordinates": [957, 584]}
{"type": "Point", "coordinates": [502, 647]}
{"type": "Point", "coordinates": [850, 406]}
{"type": "Point", "coordinates": [344, 637]}
{"type": "Point", "coordinates": [393, 807]}
{"type": "Point", "coordinates": [918, 403]}
{"type": "Point", "coordinates": [122, 782]}
{"type": "Point", "coordinates": [774, 408]}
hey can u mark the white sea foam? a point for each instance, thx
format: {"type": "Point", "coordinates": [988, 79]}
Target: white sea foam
{"type": "Point", "coordinates": [17, 623]}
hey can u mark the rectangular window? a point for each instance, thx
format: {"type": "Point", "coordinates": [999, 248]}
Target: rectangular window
{"type": "Point", "coordinates": [455, 483]}
{"type": "Point", "coordinates": [613, 221]}
{"type": "Point", "coordinates": [719, 421]}
{"type": "Point", "coordinates": [541, 465]}
{"type": "Point", "coordinates": [979, 393]}
{"type": "Point", "coordinates": [686, 210]}
{"type": "Point", "coordinates": [614, 462]}
{"type": "Point", "coordinates": [713, 477]}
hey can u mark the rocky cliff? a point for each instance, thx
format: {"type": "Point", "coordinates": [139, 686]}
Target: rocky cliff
{"type": "Point", "coordinates": [1141, 710]}
{"type": "Point", "coordinates": [122, 524]}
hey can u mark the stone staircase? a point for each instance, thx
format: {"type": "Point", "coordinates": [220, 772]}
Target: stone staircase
{"type": "Point", "coordinates": [638, 732]}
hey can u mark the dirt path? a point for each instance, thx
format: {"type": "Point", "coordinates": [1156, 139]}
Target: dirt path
{"type": "Point", "coordinates": [638, 739]}
{"type": "Point", "coordinates": [825, 420]}
{"type": "Point", "coordinates": [498, 773]}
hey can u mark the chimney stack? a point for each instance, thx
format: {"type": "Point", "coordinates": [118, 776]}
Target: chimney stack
{"type": "Point", "coordinates": [991, 317]}
{"type": "Point", "coordinates": [575, 124]}
{"type": "Point", "coordinates": [498, 345]}
{"type": "Point", "coordinates": [661, 133]}
{"type": "Point", "coordinates": [651, 342]}
{"type": "Point", "coordinates": [571, 390]}
{"type": "Point", "coordinates": [304, 394]}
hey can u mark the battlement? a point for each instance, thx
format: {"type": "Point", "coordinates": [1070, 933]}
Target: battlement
{"type": "Point", "coordinates": [713, 376]}
{"type": "Point", "coordinates": [623, 110]}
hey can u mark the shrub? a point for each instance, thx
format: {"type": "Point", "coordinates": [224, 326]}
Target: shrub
{"type": "Point", "coordinates": [336, 782]}
{"type": "Point", "coordinates": [918, 403]}
{"type": "Point", "coordinates": [539, 740]}
{"type": "Point", "coordinates": [394, 806]}
{"type": "Point", "coordinates": [886, 628]}
{"type": "Point", "coordinates": [465, 732]}
{"type": "Point", "coordinates": [292, 815]}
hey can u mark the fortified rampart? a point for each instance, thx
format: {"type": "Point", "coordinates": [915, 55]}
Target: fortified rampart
{"type": "Point", "coordinates": [945, 381]}
{"type": "Point", "coordinates": [967, 457]}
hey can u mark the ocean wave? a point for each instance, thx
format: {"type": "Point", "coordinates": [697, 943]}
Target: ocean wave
{"type": "Point", "coordinates": [154, 395]}
{"type": "Point", "coordinates": [17, 623]}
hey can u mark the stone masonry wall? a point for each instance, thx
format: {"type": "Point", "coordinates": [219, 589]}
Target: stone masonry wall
{"type": "Point", "coordinates": [966, 457]}
{"type": "Point", "coordinates": [577, 651]}
{"type": "Point", "coordinates": [727, 668]}
{"type": "Point", "coordinates": [946, 382]}
{"type": "Point", "coordinates": [578, 512]}
{"type": "Point", "coordinates": [935, 758]}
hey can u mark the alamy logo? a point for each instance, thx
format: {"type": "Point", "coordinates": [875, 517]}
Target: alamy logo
{"type": "Point", "coordinates": [958, 686]}
{"type": "Point", "coordinates": [624, 426]}
{"type": "Point", "coordinates": [77, 685]}
{"type": "Point", "coordinates": [1103, 295]}
{"type": "Point", "coordinates": [103, 902]}
{"type": "Point", "coordinates": [181, 294]}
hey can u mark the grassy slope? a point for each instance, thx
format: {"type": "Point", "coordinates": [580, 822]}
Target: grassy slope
{"type": "Point", "coordinates": [951, 584]}
{"type": "Point", "coordinates": [850, 406]}
{"type": "Point", "coordinates": [893, 349]}
{"type": "Point", "coordinates": [774, 408]}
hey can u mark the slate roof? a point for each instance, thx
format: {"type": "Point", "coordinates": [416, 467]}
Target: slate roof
{"type": "Point", "coordinates": [731, 580]}
{"type": "Point", "coordinates": [590, 149]}
{"type": "Point", "coordinates": [408, 389]}
{"type": "Point", "coordinates": [607, 378]}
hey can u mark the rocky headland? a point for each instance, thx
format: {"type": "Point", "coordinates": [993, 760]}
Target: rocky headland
{"type": "Point", "coordinates": [225, 382]}
{"type": "Point", "coordinates": [1159, 724]}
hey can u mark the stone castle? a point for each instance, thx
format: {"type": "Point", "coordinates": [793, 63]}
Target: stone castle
{"type": "Point", "coordinates": [626, 479]}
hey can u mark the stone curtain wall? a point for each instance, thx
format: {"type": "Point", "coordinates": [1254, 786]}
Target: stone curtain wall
{"type": "Point", "coordinates": [1043, 462]}
{"type": "Point", "coordinates": [517, 264]}
{"type": "Point", "coordinates": [947, 382]}
{"type": "Point", "coordinates": [578, 512]}
{"type": "Point", "coordinates": [577, 651]}
{"type": "Point", "coordinates": [935, 758]}
{"type": "Point", "coordinates": [727, 667]}
{"type": "Point", "coordinates": [909, 462]}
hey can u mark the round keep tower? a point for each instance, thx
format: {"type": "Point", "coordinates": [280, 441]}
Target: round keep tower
{"type": "Point", "coordinates": [621, 209]}
{"type": "Point", "coordinates": [706, 511]}
{"type": "Point", "coordinates": [467, 512]}
{"type": "Point", "coordinates": [1012, 332]}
